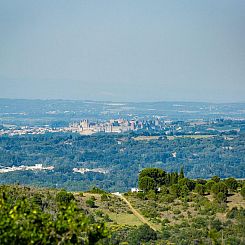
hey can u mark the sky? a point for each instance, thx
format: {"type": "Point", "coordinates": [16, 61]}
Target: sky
{"type": "Point", "coordinates": [126, 50]}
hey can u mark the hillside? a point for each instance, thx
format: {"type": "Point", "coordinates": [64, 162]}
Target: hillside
{"type": "Point", "coordinates": [181, 211]}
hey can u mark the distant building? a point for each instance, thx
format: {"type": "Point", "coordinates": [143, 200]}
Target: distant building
{"type": "Point", "coordinates": [132, 125]}
{"type": "Point", "coordinates": [84, 124]}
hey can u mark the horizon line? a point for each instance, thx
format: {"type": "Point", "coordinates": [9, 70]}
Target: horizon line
{"type": "Point", "coordinates": [114, 101]}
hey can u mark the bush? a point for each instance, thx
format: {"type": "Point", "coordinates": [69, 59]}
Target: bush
{"type": "Point", "coordinates": [104, 197]}
{"type": "Point", "coordinates": [200, 189]}
{"type": "Point", "coordinates": [219, 187]}
{"type": "Point", "coordinates": [37, 200]}
{"type": "Point", "coordinates": [165, 221]}
{"type": "Point", "coordinates": [216, 224]}
{"type": "Point", "coordinates": [221, 197]}
{"type": "Point", "coordinates": [151, 195]}
{"type": "Point", "coordinates": [175, 190]}
{"type": "Point", "coordinates": [168, 198]}
{"type": "Point", "coordinates": [141, 195]}
{"type": "Point", "coordinates": [23, 224]}
{"type": "Point", "coordinates": [184, 191]}
{"type": "Point", "coordinates": [177, 211]}
{"type": "Point", "coordinates": [90, 203]}
{"type": "Point", "coordinates": [232, 184]}
{"type": "Point", "coordinates": [96, 190]}
{"type": "Point", "coordinates": [64, 197]}
{"type": "Point", "coordinates": [143, 234]}
{"type": "Point", "coordinates": [243, 192]}
{"type": "Point", "coordinates": [216, 178]}
{"type": "Point", "coordinates": [209, 185]}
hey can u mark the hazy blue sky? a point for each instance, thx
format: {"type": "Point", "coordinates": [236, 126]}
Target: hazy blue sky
{"type": "Point", "coordinates": [128, 50]}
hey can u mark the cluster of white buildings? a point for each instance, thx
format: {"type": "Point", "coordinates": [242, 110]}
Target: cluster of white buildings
{"type": "Point", "coordinates": [36, 167]}
{"type": "Point", "coordinates": [94, 170]}
{"type": "Point", "coordinates": [31, 130]}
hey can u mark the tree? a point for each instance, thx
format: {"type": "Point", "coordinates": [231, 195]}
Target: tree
{"type": "Point", "coordinates": [157, 174]}
{"type": "Point", "coordinates": [173, 178]}
{"type": "Point", "coordinates": [147, 183]}
{"type": "Point", "coordinates": [175, 190]}
{"type": "Point", "coordinates": [243, 192]}
{"type": "Point", "coordinates": [184, 190]}
{"type": "Point", "coordinates": [143, 234]}
{"type": "Point", "coordinates": [232, 184]}
{"type": "Point", "coordinates": [64, 197]}
{"type": "Point", "coordinates": [216, 178]}
{"type": "Point", "coordinates": [181, 175]}
{"type": "Point", "coordinates": [219, 187]}
{"type": "Point", "coordinates": [189, 183]}
{"type": "Point", "coordinates": [221, 197]}
{"type": "Point", "coordinates": [90, 203]}
{"type": "Point", "coordinates": [200, 189]}
{"type": "Point", "coordinates": [21, 223]}
{"type": "Point", "coordinates": [209, 185]}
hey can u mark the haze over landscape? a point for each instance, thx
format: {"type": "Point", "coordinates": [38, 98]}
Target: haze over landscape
{"type": "Point", "coordinates": [122, 122]}
{"type": "Point", "coordinates": [123, 50]}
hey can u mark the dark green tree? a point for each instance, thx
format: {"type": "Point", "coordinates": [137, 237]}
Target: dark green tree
{"type": "Point", "coordinates": [142, 235]}
{"type": "Point", "coordinates": [64, 197]}
{"type": "Point", "coordinates": [243, 191]}
{"type": "Point", "coordinates": [209, 185]}
{"type": "Point", "coordinates": [181, 175]}
{"type": "Point", "coordinates": [157, 174]}
{"type": "Point", "coordinates": [90, 203]}
{"type": "Point", "coordinates": [216, 178]}
{"type": "Point", "coordinates": [221, 197]}
{"type": "Point", "coordinates": [147, 183]}
{"type": "Point", "coordinates": [220, 187]}
{"type": "Point", "coordinates": [200, 189]}
{"type": "Point", "coordinates": [232, 184]}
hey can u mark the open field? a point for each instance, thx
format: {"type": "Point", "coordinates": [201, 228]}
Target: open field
{"type": "Point", "coordinates": [139, 138]}
{"type": "Point", "coordinates": [193, 136]}
{"type": "Point", "coordinates": [124, 219]}
{"type": "Point", "coordinates": [117, 210]}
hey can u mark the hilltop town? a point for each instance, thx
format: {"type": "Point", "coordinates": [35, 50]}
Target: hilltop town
{"type": "Point", "coordinates": [155, 125]}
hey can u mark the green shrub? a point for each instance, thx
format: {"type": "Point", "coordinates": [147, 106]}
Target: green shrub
{"type": "Point", "coordinates": [219, 187]}
{"type": "Point", "coordinates": [64, 197]}
{"type": "Point", "coordinates": [221, 197]}
{"type": "Point", "coordinates": [200, 189]}
{"type": "Point", "coordinates": [143, 234]}
{"type": "Point", "coordinates": [243, 192]}
{"type": "Point", "coordinates": [96, 190]}
{"type": "Point", "coordinates": [90, 203]}
{"type": "Point", "coordinates": [104, 197]}
{"type": "Point", "coordinates": [232, 184]}
{"type": "Point", "coordinates": [22, 224]}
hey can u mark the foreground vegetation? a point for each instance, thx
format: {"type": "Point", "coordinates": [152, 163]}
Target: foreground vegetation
{"type": "Point", "coordinates": [191, 211]}
{"type": "Point", "coordinates": [182, 210]}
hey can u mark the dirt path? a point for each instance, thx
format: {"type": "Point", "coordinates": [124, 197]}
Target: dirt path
{"type": "Point", "coordinates": [135, 212]}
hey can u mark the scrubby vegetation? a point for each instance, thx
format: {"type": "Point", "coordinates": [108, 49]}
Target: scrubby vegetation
{"type": "Point", "coordinates": [181, 211]}
{"type": "Point", "coordinates": [45, 217]}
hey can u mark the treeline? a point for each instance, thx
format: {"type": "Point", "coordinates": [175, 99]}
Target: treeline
{"type": "Point", "coordinates": [155, 180]}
